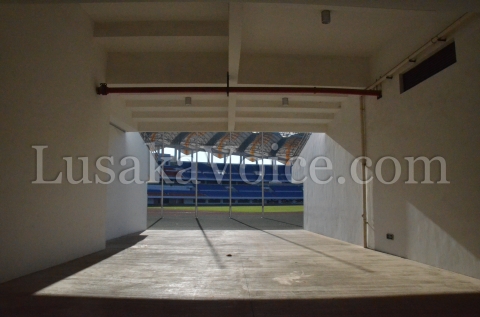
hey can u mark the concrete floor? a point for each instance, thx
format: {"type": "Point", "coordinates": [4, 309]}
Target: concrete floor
{"type": "Point", "coordinates": [248, 266]}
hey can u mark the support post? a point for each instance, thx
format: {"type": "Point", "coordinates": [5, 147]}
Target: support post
{"type": "Point", "coordinates": [162, 166]}
{"type": "Point", "coordinates": [230, 179]}
{"type": "Point", "coordinates": [196, 183]}
{"type": "Point", "coordinates": [263, 183]}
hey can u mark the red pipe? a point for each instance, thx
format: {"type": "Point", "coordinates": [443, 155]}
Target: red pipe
{"type": "Point", "coordinates": [105, 90]}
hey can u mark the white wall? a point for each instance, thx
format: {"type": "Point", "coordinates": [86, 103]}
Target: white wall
{"type": "Point", "coordinates": [49, 70]}
{"type": "Point", "coordinates": [433, 224]}
{"type": "Point", "coordinates": [126, 203]}
{"type": "Point", "coordinates": [335, 209]}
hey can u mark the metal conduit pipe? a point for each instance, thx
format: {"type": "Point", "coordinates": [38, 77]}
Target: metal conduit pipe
{"type": "Point", "coordinates": [103, 89]}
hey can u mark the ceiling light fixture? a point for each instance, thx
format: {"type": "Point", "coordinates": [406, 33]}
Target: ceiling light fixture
{"type": "Point", "coordinates": [326, 18]}
{"type": "Point", "coordinates": [188, 101]}
{"type": "Point", "coordinates": [285, 102]}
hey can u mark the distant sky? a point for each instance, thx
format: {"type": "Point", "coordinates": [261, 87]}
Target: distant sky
{"type": "Point", "coordinates": [202, 157]}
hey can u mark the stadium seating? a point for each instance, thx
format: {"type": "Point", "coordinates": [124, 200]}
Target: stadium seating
{"type": "Point", "coordinates": [213, 186]}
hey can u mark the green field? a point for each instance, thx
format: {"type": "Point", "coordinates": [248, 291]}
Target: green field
{"type": "Point", "coordinates": [297, 208]}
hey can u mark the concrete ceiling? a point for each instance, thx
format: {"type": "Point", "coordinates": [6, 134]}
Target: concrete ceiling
{"type": "Point", "coordinates": [266, 27]}
{"type": "Point", "coordinates": [298, 29]}
{"type": "Point", "coordinates": [424, 5]}
{"type": "Point", "coordinates": [152, 11]}
{"type": "Point", "coordinates": [259, 44]}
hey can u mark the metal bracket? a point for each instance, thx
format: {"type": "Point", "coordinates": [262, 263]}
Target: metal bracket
{"type": "Point", "coordinates": [102, 89]}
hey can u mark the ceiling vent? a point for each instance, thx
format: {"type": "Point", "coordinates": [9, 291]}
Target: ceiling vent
{"type": "Point", "coordinates": [433, 65]}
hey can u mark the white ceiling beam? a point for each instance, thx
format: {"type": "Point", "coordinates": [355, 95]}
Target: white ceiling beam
{"type": "Point", "coordinates": [151, 99]}
{"type": "Point", "coordinates": [275, 127]}
{"type": "Point", "coordinates": [176, 114]}
{"type": "Point", "coordinates": [210, 100]}
{"type": "Point", "coordinates": [185, 120]}
{"type": "Point", "coordinates": [332, 99]}
{"type": "Point", "coordinates": [273, 110]}
{"type": "Point", "coordinates": [176, 127]}
{"type": "Point", "coordinates": [180, 109]}
{"type": "Point", "coordinates": [161, 28]}
{"type": "Point", "coordinates": [269, 110]}
{"type": "Point", "coordinates": [284, 116]}
{"type": "Point", "coordinates": [283, 120]}
{"type": "Point", "coordinates": [204, 105]}
{"type": "Point", "coordinates": [222, 127]}
{"type": "Point", "coordinates": [165, 44]}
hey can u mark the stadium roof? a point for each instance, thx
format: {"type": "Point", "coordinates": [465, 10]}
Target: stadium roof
{"type": "Point", "coordinates": [282, 145]}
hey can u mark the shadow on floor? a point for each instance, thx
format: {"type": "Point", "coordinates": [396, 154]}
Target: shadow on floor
{"type": "Point", "coordinates": [305, 247]}
{"type": "Point", "coordinates": [17, 297]}
{"type": "Point", "coordinates": [212, 249]}
{"type": "Point", "coordinates": [422, 305]}
{"type": "Point", "coordinates": [29, 284]}
{"type": "Point", "coordinates": [221, 221]}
